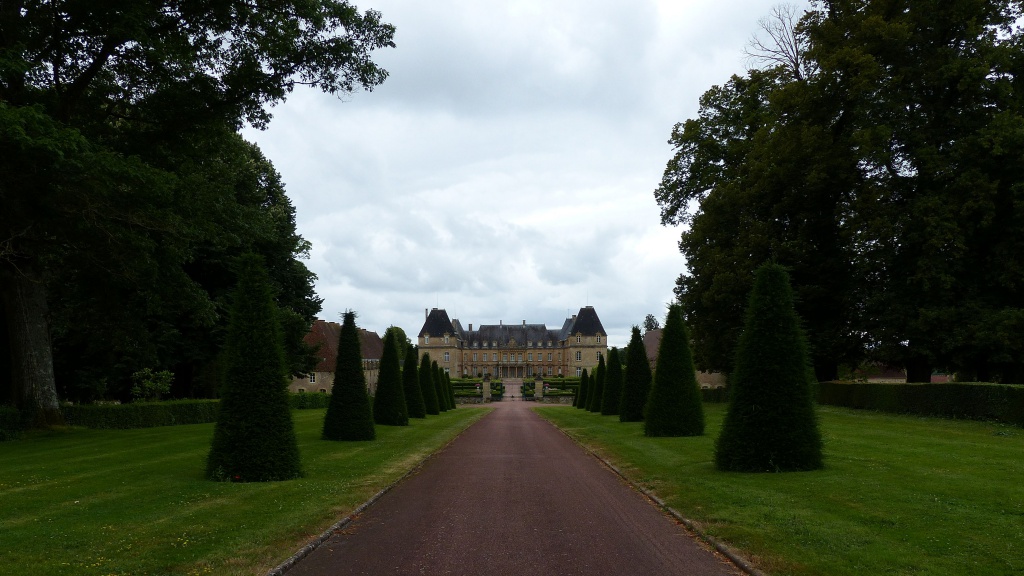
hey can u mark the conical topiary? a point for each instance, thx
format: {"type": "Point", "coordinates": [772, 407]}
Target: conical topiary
{"type": "Point", "coordinates": [435, 374]}
{"type": "Point", "coordinates": [411, 385]}
{"type": "Point", "coordinates": [596, 393]}
{"type": "Point", "coordinates": [427, 386]}
{"type": "Point", "coordinates": [254, 439]}
{"type": "Point", "coordinates": [674, 406]}
{"type": "Point", "coordinates": [348, 415]}
{"type": "Point", "coordinates": [389, 402]}
{"type": "Point", "coordinates": [636, 383]}
{"type": "Point", "coordinates": [584, 390]}
{"type": "Point", "coordinates": [451, 390]}
{"type": "Point", "coordinates": [770, 425]}
{"type": "Point", "coordinates": [612, 384]}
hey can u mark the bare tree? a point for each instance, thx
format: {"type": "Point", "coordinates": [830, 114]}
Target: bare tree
{"type": "Point", "coordinates": [781, 42]}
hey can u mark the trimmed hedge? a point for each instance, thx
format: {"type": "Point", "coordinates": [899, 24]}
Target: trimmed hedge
{"type": "Point", "coordinates": [10, 423]}
{"type": "Point", "coordinates": [970, 401]}
{"type": "Point", "coordinates": [141, 414]}
{"type": "Point", "coordinates": [309, 401]}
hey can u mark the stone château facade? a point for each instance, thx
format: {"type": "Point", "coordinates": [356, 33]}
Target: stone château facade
{"type": "Point", "coordinates": [514, 350]}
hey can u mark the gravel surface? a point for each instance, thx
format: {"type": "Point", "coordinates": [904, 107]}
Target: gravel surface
{"type": "Point", "coordinates": [512, 495]}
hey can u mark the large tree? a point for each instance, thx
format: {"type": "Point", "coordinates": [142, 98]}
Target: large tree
{"type": "Point", "coordinates": [636, 383]}
{"type": "Point", "coordinates": [254, 439]}
{"type": "Point", "coordinates": [596, 393]}
{"type": "Point", "coordinates": [90, 94]}
{"type": "Point", "coordinates": [770, 425]}
{"type": "Point", "coordinates": [674, 406]}
{"type": "Point", "coordinates": [349, 415]}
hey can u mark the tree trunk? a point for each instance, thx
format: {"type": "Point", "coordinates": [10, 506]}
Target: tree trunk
{"type": "Point", "coordinates": [26, 313]}
{"type": "Point", "coordinates": [919, 369]}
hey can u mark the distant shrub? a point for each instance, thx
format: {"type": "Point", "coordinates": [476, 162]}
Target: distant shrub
{"type": "Point", "coordinates": [308, 401]}
{"type": "Point", "coordinates": [149, 386]}
{"type": "Point", "coordinates": [10, 423]}
{"type": "Point", "coordinates": [141, 414]}
{"type": "Point", "coordinates": [995, 402]}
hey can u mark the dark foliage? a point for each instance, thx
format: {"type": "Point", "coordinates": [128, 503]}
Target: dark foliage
{"type": "Point", "coordinates": [438, 378]}
{"type": "Point", "coordinates": [389, 401]}
{"type": "Point", "coordinates": [254, 440]}
{"type": "Point", "coordinates": [674, 405]}
{"type": "Point", "coordinates": [990, 402]}
{"type": "Point", "coordinates": [596, 393]}
{"type": "Point", "coordinates": [10, 423]}
{"type": "Point", "coordinates": [610, 404]}
{"type": "Point", "coordinates": [430, 399]}
{"type": "Point", "coordinates": [581, 400]}
{"type": "Point", "coordinates": [142, 414]}
{"type": "Point", "coordinates": [411, 384]}
{"type": "Point", "coordinates": [636, 384]}
{"type": "Point", "coordinates": [349, 416]}
{"type": "Point", "coordinates": [771, 425]}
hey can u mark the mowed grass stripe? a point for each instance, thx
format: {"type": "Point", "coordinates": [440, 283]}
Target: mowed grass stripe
{"type": "Point", "coordinates": [136, 502]}
{"type": "Point", "coordinates": [899, 495]}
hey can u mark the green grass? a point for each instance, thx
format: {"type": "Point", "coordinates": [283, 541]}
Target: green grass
{"type": "Point", "coordinates": [899, 495]}
{"type": "Point", "coordinates": [135, 502]}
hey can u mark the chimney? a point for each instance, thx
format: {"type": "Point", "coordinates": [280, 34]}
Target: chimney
{"type": "Point", "coordinates": [573, 317]}
{"type": "Point", "coordinates": [470, 326]}
{"type": "Point", "coordinates": [500, 322]}
{"type": "Point", "coordinates": [524, 323]}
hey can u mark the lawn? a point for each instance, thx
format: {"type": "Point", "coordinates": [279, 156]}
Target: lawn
{"type": "Point", "coordinates": [104, 502]}
{"type": "Point", "coordinates": [899, 495]}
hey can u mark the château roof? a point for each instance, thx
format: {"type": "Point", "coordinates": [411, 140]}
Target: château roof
{"type": "Point", "coordinates": [437, 324]}
{"type": "Point", "coordinates": [586, 322]}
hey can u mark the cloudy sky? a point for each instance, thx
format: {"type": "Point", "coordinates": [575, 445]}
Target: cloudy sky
{"type": "Point", "coordinates": [505, 170]}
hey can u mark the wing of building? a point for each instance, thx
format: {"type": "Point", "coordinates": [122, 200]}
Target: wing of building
{"type": "Point", "coordinates": [514, 350]}
{"type": "Point", "coordinates": [325, 335]}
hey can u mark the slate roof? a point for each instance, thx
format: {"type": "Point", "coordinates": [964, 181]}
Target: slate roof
{"type": "Point", "coordinates": [437, 324]}
{"type": "Point", "coordinates": [652, 340]}
{"type": "Point", "coordinates": [587, 322]}
{"type": "Point", "coordinates": [326, 334]}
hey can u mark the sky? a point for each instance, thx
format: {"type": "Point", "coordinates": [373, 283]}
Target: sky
{"type": "Point", "coordinates": [505, 170]}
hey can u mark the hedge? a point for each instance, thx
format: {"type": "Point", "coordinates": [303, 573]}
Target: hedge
{"type": "Point", "coordinates": [141, 414]}
{"type": "Point", "coordinates": [971, 401]}
{"type": "Point", "coordinates": [10, 423]}
{"type": "Point", "coordinates": [307, 401]}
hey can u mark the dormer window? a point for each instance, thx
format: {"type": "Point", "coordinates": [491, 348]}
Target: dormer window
{"type": "Point", "coordinates": [598, 338]}
{"type": "Point", "coordinates": [579, 338]}
{"type": "Point", "coordinates": [426, 339]}
{"type": "Point", "coordinates": [446, 339]}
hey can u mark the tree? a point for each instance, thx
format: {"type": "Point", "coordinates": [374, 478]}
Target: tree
{"type": "Point", "coordinates": [651, 323]}
{"type": "Point", "coordinates": [636, 383]}
{"type": "Point", "coordinates": [254, 439]}
{"type": "Point", "coordinates": [402, 341]}
{"type": "Point", "coordinates": [389, 402]}
{"type": "Point", "coordinates": [584, 390]}
{"type": "Point", "coordinates": [770, 425]}
{"type": "Point", "coordinates": [612, 399]}
{"type": "Point", "coordinates": [349, 416]}
{"type": "Point", "coordinates": [450, 390]}
{"type": "Point", "coordinates": [437, 377]}
{"type": "Point", "coordinates": [411, 385]}
{"type": "Point", "coordinates": [596, 393]}
{"type": "Point", "coordinates": [430, 399]}
{"type": "Point", "coordinates": [90, 95]}
{"type": "Point", "coordinates": [674, 405]}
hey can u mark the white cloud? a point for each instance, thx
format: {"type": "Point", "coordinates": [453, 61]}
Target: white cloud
{"type": "Point", "coordinates": [505, 170]}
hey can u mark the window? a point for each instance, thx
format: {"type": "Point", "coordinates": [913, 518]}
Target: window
{"type": "Point", "coordinates": [465, 356]}
{"type": "Point", "coordinates": [504, 357]}
{"type": "Point", "coordinates": [598, 356]}
{"type": "Point", "coordinates": [447, 356]}
{"type": "Point", "coordinates": [529, 357]}
{"type": "Point", "coordinates": [474, 357]}
{"type": "Point", "coordinates": [549, 356]}
{"type": "Point", "coordinates": [312, 377]}
{"type": "Point", "coordinates": [426, 339]}
{"type": "Point", "coordinates": [301, 390]}
{"type": "Point", "coordinates": [447, 371]}
{"type": "Point", "coordinates": [529, 344]}
{"type": "Point", "coordinates": [520, 356]}
{"type": "Point", "coordinates": [598, 338]}
{"type": "Point", "coordinates": [578, 338]}
{"type": "Point", "coordinates": [494, 343]}
{"type": "Point", "coordinates": [579, 356]}
{"type": "Point", "coordinates": [323, 391]}
{"type": "Point", "coordinates": [579, 371]}
{"type": "Point", "coordinates": [446, 339]}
